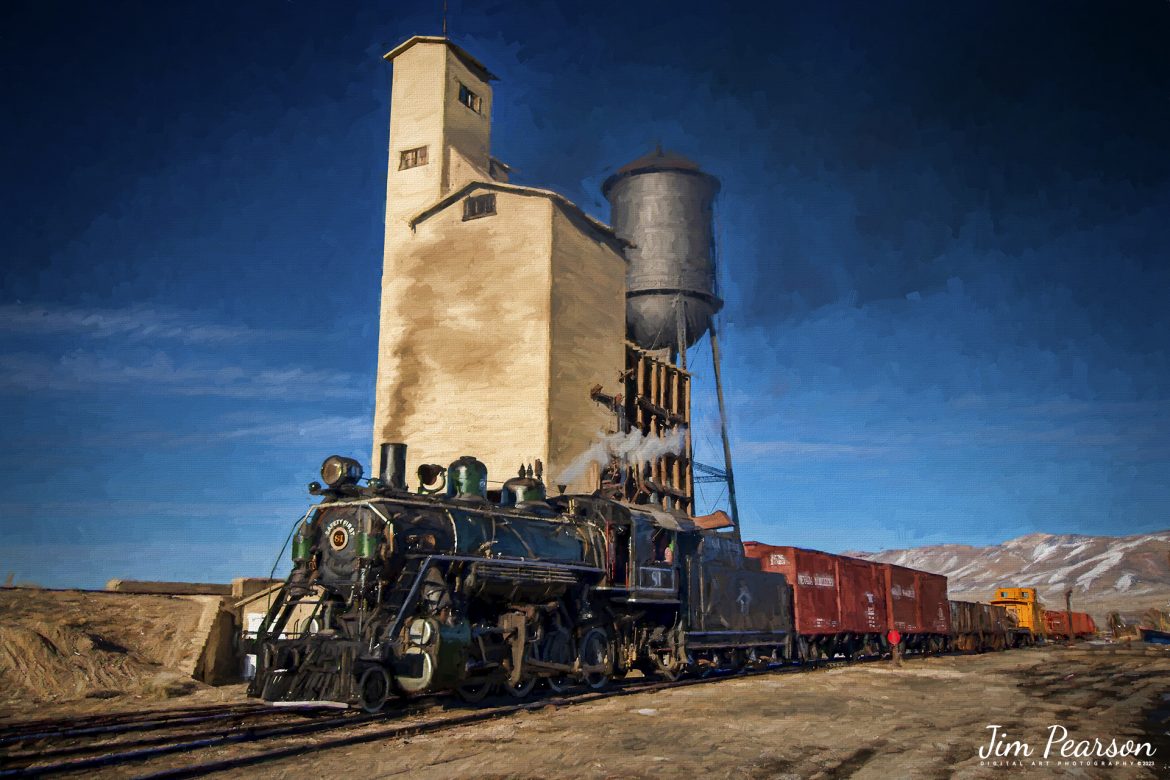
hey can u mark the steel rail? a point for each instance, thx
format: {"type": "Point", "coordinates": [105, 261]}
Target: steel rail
{"type": "Point", "coordinates": [25, 758]}
{"type": "Point", "coordinates": [62, 727]}
{"type": "Point", "coordinates": [246, 735]}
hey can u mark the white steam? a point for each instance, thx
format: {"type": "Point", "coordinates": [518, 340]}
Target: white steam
{"type": "Point", "coordinates": [632, 447]}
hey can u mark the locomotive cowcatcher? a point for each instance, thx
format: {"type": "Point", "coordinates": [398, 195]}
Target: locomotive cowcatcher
{"type": "Point", "coordinates": [457, 588]}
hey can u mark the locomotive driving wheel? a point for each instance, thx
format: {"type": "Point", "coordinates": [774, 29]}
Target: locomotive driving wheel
{"type": "Point", "coordinates": [521, 689]}
{"type": "Point", "coordinates": [557, 648]}
{"type": "Point", "coordinates": [596, 659]}
{"type": "Point", "coordinates": [474, 692]}
{"type": "Point", "coordinates": [374, 688]}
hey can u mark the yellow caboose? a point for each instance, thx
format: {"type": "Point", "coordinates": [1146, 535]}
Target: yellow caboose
{"type": "Point", "coordinates": [1023, 603]}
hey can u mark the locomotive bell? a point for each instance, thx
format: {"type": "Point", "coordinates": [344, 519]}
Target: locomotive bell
{"type": "Point", "coordinates": [466, 477]}
{"type": "Point", "coordinates": [338, 470]}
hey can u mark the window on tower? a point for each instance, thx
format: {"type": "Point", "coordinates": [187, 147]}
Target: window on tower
{"type": "Point", "coordinates": [470, 99]}
{"type": "Point", "coordinates": [412, 158]}
{"type": "Point", "coordinates": [479, 206]}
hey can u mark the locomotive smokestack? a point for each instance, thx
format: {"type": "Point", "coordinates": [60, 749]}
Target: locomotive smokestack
{"type": "Point", "coordinates": [393, 465]}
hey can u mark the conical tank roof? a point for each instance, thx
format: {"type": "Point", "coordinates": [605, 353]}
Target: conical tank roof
{"type": "Point", "coordinates": [657, 160]}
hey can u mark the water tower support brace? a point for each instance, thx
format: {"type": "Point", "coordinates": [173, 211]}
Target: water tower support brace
{"type": "Point", "coordinates": [723, 429]}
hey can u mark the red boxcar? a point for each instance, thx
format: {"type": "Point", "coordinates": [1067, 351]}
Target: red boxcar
{"type": "Point", "coordinates": [1056, 624]}
{"type": "Point", "coordinates": [813, 576]}
{"type": "Point", "coordinates": [848, 605]}
{"type": "Point", "coordinates": [936, 609]}
{"type": "Point", "coordinates": [917, 605]}
{"type": "Point", "coordinates": [862, 593]}
{"type": "Point", "coordinates": [905, 615]}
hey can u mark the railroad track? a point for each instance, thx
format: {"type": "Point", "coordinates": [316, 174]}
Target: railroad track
{"type": "Point", "coordinates": [112, 723]}
{"type": "Point", "coordinates": [26, 752]}
{"type": "Point", "coordinates": [153, 737]}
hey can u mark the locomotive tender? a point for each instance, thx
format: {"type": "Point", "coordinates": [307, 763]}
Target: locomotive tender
{"type": "Point", "coordinates": [458, 588]}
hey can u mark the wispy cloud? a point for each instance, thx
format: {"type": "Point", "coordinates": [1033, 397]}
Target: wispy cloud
{"type": "Point", "coordinates": [333, 429]}
{"type": "Point", "coordinates": [275, 432]}
{"type": "Point", "coordinates": [78, 371]}
{"type": "Point", "coordinates": [138, 323]}
{"type": "Point", "coordinates": [1060, 407]}
{"type": "Point", "coordinates": [804, 449]}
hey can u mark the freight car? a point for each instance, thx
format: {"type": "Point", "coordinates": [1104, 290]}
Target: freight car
{"type": "Point", "coordinates": [839, 605]}
{"type": "Point", "coordinates": [916, 602]}
{"type": "Point", "coordinates": [455, 589]}
{"type": "Point", "coordinates": [1027, 611]}
{"type": "Point", "coordinates": [1056, 625]}
{"type": "Point", "coordinates": [978, 627]}
{"type": "Point", "coordinates": [848, 606]}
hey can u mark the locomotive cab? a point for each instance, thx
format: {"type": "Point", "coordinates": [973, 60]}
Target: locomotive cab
{"type": "Point", "coordinates": [654, 545]}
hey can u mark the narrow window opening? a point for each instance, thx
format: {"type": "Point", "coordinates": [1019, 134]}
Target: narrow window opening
{"type": "Point", "coordinates": [479, 206]}
{"type": "Point", "coordinates": [412, 158]}
{"type": "Point", "coordinates": [470, 99]}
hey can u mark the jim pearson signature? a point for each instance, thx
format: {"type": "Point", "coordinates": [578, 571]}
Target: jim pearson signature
{"type": "Point", "coordinates": [1061, 745]}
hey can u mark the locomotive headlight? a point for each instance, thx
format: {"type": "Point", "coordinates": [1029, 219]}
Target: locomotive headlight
{"type": "Point", "coordinates": [338, 470]}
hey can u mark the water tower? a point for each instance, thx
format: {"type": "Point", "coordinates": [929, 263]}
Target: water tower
{"type": "Point", "coordinates": [662, 205]}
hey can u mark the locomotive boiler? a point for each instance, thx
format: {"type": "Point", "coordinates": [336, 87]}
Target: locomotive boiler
{"type": "Point", "coordinates": [458, 588]}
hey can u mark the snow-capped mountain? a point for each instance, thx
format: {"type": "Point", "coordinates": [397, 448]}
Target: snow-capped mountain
{"type": "Point", "coordinates": [1129, 573]}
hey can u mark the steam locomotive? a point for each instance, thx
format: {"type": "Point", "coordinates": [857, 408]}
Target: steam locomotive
{"type": "Point", "coordinates": [458, 588]}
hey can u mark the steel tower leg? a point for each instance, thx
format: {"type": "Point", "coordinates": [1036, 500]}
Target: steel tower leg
{"type": "Point", "coordinates": [723, 429]}
{"type": "Point", "coordinates": [680, 314]}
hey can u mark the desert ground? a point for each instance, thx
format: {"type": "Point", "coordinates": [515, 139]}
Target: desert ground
{"type": "Point", "coordinates": [927, 718]}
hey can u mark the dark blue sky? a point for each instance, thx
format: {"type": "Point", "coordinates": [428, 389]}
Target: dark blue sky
{"type": "Point", "coordinates": [942, 233]}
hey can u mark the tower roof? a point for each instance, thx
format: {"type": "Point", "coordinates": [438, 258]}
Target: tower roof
{"type": "Point", "coordinates": [660, 160]}
{"type": "Point", "coordinates": [657, 160]}
{"type": "Point", "coordinates": [570, 209]}
{"type": "Point", "coordinates": [474, 65]}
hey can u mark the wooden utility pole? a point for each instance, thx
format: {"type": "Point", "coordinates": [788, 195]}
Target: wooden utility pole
{"type": "Point", "coordinates": [1068, 614]}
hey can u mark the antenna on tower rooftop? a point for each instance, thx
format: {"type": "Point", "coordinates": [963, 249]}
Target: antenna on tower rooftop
{"type": "Point", "coordinates": [444, 18]}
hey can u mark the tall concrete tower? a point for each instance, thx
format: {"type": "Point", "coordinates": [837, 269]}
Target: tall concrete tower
{"type": "Point", "coordinates": [440, 126]}
{"type": "Point", "coordinates": [502, 306]}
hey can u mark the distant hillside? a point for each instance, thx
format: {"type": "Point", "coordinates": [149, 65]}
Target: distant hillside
{"type": "Point", "coordinates": [1129, 573]}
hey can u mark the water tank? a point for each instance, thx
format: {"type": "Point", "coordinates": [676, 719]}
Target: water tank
{"type": "Point", "coordinates": [662, 205]}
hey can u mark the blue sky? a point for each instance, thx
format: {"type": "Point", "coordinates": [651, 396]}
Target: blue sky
{"type": "Point", "coordinates": [941, 230]}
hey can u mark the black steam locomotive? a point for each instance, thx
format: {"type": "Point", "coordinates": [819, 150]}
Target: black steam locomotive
{"type": "Point", "coordinates": [458, 588]}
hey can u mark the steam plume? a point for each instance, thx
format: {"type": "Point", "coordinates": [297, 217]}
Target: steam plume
{"type": "Point", "coordinates": [632, 447]}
